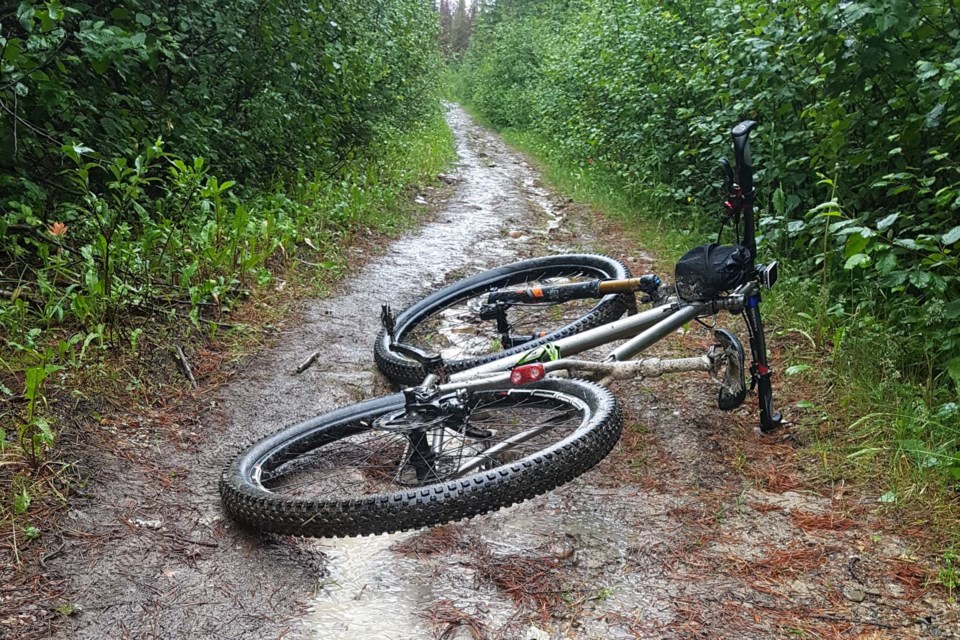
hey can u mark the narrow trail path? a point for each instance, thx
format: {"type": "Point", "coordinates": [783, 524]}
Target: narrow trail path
{"type": "Point", "coordinates": [692, 528]}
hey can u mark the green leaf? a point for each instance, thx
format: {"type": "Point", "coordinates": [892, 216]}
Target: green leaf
{"type": "Point", "coordinates": [888, 221]}
{"type": "Point", "coordinates": [856, 243]}
{"type": "Point", "coordinates": [11, 49]}
{"type": "Point", "coordinates": [21, 501]}
{"type": "Point", "coordinates": [857, 260]}
{"type": "Point", "coordinates": [779, 202]}
{"type": "Point", "coordinates": [143, 19]}
{"type": "Point", "coordinates": [953, 369]}
{"type": "Point", "coordinates": [888, 498]}
{"type": "Point", "coordinates": [951, 236]}
{"type": "Point", "coordinates": [35, 377]}
{"type": "Point", "coordinates": [44, 434]}
{"type": "Point", "coordinates": [827, 210]}
{"type": "Point", "coordinates": [887, 263]}
{"type": "Point", "coordinates": [919, 279]}
{"type": "Point", "coordinates": [951, 310]}
{"type": "Point", "coordinates": [796, 369]}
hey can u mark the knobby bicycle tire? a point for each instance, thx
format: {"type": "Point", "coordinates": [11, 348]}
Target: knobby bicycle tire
{"type": "Point", "coordinates": [350, 511]}
{"type": "Point", "coordinates": [405, 371]}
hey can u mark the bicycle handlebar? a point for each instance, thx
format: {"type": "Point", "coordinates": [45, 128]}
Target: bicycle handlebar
{"type": "Point", "coordinates": [741, 152]}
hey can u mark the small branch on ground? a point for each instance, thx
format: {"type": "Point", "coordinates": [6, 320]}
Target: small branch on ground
{"type": "Point", "coordinates": [306, 364]}
{"type": "Point", "coordinates": [185, 366]}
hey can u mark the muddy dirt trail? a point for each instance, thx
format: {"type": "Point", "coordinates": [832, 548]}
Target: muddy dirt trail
{"type": "Point", "coordinates": [692, 528]}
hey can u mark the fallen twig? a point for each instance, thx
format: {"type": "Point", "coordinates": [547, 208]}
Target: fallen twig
{"type": "Point", "coordinates": [185, 366]}
{"type": "Point", "coordinates": [306, 364]}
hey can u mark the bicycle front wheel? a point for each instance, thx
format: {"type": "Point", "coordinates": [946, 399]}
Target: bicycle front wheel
{"type": "Point", "coordinates": [449, 321]}
{"type": "Point", "coordinates": [354, 471]}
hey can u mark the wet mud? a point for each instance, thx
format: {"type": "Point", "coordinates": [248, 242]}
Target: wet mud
{"type": "Point", "coordinates": [691, 528]}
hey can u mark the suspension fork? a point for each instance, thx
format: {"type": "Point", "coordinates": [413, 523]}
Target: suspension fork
{"type": "Point", "coordinates": [760, 369]}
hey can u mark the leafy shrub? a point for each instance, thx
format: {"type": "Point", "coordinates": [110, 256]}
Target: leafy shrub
{"type": "Point", "coordinates": [859, 108]}
{"type": "Point", "coordinates": [260, 89]}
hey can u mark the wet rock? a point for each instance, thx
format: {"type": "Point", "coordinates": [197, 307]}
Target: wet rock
{"type": "Point", "coordinates": [854, 595]}
{"type": "Point", "coordinates": [561, 551]}
{"type": "Point", "coordinates": [536, 633]}
{"type": "Point", "coordinates": [800, 588]}
{"type": "Point", "coordinates": [448, 179]}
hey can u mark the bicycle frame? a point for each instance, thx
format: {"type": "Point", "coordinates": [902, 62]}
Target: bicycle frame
{"type": "Point", "coordinates": [646, 328]}
{"type": "Point", "coordinates": [642, 330]}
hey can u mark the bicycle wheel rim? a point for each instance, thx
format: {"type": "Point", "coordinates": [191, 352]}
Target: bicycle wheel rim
{"type": "Point", "coordinates": [572, 317]}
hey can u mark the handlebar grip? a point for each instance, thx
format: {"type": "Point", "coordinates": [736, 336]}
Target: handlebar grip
{"type": "Point", "coordinates": [741, 152]}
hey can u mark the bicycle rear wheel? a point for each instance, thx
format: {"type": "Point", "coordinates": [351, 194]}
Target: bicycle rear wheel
{"type": "Point", "coordinates": [353, 472]}
{"type": "Point", "coordinates": [448, 322]}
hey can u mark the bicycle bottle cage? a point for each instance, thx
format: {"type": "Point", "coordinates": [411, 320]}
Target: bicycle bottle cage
{"type": "Point", "coordinates": [705, 272]}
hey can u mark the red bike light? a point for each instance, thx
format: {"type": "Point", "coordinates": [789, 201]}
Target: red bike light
{"type": "Point", "coordinates": [527, 373]}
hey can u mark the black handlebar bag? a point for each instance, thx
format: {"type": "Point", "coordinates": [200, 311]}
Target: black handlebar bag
{"type": "Point", "coordinates": [707, 271]}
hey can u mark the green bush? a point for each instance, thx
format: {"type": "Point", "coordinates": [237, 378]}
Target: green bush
{"type": "Point", "coordinates": [859, 105]}
{"type": "Point", "coordinates": [115, 113]}
{"type": "Point", "coordinates": [259, 89]}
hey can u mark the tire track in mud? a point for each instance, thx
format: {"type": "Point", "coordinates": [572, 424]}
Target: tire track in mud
{"type": "Point", "coordinates": [669, 537]}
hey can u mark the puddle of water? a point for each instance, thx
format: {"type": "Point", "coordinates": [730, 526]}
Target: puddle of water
{"type": "Point", "coordinates": [541, 197]}
{"type": "Point", "coordinates": [370, 592]}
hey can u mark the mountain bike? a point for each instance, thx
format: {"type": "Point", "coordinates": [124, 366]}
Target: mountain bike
{"type": "Point", "coordinates": [496, 407]}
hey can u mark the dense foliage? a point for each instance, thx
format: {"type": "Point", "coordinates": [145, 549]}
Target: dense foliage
{"type": "Point", "coordinates": [121, 124]}
{"type": "Point", "coordinates": [257, 88]}
{"type": "Point", "coordinates": [859, 105]}
{"type": "Point", "coordinates": [114, 115]}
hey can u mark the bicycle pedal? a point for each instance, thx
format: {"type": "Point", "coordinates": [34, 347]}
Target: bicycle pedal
{"type": "Point", "coordinates": [733, 389]}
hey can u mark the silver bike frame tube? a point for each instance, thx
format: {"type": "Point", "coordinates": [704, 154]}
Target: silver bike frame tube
{"type": "Point", "coordinates": [578, 343]}
{"type": "Point", "coordinates": [656, 332]}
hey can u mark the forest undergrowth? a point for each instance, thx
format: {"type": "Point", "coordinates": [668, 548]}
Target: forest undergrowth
{"type": "Point", "coordinates": [630, 105]}
{"type": "Point", "coordinates": [172, 176]}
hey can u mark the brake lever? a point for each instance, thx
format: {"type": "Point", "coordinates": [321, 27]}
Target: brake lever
{"type": "Point", "coordinates": [729, 180]}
